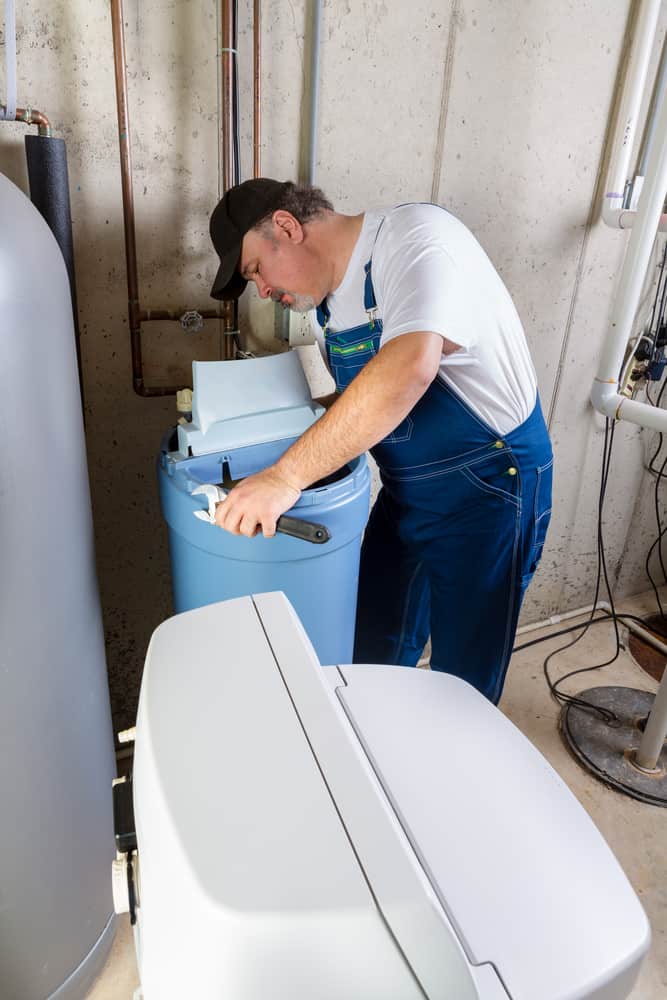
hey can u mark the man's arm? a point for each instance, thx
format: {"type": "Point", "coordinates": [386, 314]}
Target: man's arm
{"type": "Point", "coordinates": [327, 401]}
{"type": "Point", "coordinates": [374, 403]}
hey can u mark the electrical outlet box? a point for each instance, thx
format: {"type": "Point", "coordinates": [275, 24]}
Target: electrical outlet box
{"type": "Point", "coordinates": [292, 328]}
{"type": "Point", "coordinates": [300, 330]}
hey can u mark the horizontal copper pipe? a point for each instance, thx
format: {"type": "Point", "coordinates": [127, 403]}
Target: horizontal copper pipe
{"type": "Point", "coordinates": [31, 116]}
{"type": "Point", "coordinates": [153, 390]}
{"type": "Point", "coordinates": [152, 315]}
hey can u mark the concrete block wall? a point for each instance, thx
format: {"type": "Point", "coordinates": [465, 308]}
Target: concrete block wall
{"type": "Point", "coordinates": [500, 112]}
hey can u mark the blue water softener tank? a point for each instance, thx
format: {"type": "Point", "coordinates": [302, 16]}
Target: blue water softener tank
{"type": "Point", "coordinates": [245, 414]}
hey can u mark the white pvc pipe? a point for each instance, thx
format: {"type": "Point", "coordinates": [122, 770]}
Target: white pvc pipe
{"type": "Point", "coordinates": [605, 396]}
{"type": "Point", "coordinates": [651, 744]}
{"type": "Point", "coordinates": [314, 80]}
{"type": "Point", "coordinates": [649, 750]}
{"type": "Point", "coordinates": [635, 82]}
{"type": "Point", "coordinates": [631, 625]}
{"type": "Point", "coordinates": [658, 91]}
{"type": "Point", "coordinates": [618, 407]}
{"type": "Point", "coordinates": [557, 619]}
{"type": "Point", "coordinates": [8, 113]}
{"type": "Point", "coordinates": [624, 218]}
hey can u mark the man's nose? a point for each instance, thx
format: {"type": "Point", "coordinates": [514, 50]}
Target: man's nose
{"type": "Point", "coordinates": [262, 287]}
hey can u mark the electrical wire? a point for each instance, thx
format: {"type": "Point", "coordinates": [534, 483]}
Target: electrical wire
{"type": "Point", "coordinates": [554, 685]}
{"type": "Point", "coordinates": [650, 466]}
{"type": "Point", "coordinates": [605, 616]}
{"type": "Point", "coordinates": [661, 312]}
{"type": "Point", "coordinates": [659, 307]}
{"type": "Point", "coordinates": [659, 474]}
{"type": "Point", "coordinates": [660, 533]}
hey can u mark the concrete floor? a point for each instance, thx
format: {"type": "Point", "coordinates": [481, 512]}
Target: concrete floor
{"type": "Point", "coordinates": [636, 832]}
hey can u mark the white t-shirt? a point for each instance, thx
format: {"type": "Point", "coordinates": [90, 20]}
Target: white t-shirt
{"type": "Point", "coordinates": [430, 274]}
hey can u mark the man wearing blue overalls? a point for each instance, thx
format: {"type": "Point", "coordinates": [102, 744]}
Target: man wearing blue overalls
{"type": "Point", "coordinates": [434, 377]}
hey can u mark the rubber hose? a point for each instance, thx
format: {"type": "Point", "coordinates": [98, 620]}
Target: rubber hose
{"type": "Point", "coordinates": [49, 192]}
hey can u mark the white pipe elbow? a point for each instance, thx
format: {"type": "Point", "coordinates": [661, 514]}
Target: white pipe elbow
{"type": "Point", "coordinates": [608, 401]}
{"type": "Point", "coordinates": [617, 218]}
{"type": "Point", "coordinates": [624, 218]}
{"type": "Point", "coordinates": [606, 398]}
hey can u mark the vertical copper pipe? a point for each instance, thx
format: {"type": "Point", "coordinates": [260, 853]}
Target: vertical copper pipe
{"type": "Point", "coordinates": [227, 84]}
{"type": "Point", "coordinates": [227, 55]}
{"type": "Point", "coordinates": [257, 92]}
{"type": "Point", "coordinates": [128, 195]}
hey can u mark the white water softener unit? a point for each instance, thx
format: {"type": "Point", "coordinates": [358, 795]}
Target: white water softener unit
{"type": "Point", "coordinates": [361, 832]}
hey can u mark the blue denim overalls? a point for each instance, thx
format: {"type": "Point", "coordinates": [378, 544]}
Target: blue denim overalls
{"type": "Point", "coordinates": [457, 529]}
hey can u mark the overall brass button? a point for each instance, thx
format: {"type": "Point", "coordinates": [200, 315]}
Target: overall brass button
{"type": "Point", "coordinates": [499, 444]}
{"type": "Point", "coordinates": [511, 471]}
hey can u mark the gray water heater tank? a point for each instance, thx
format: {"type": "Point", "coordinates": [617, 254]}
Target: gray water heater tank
{"type": "Point", "coordinates": [56, 743]}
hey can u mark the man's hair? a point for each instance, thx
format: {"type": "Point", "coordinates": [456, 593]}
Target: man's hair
{"type": "Point", "coordinates": [302, 201]}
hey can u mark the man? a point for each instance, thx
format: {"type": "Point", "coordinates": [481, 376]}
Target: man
{"type": "Point", "coordinates": [433, 376]}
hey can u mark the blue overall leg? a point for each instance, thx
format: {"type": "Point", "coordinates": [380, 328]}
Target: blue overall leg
{"type": "Point", "coordinates": [393, 605]}
{"type": "Point", "coordinates": [473, 525]}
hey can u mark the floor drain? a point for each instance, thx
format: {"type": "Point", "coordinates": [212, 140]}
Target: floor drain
{"type": "Point", "coordinates": [608, 750]}
{"type": "Point", "coordinates": [651, 660]}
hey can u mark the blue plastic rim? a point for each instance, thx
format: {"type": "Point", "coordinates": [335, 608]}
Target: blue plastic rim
{"type": "Point", "coordinates": [210, 565]}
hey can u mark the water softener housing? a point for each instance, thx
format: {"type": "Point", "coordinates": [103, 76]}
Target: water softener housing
{"type": "Point", "coordinates": [245, 416]}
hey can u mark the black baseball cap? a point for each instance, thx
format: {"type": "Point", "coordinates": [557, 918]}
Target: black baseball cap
{"type": "Point", "coordinates": [240, 208]}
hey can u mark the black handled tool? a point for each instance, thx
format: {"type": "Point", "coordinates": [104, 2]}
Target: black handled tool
{"type": "Point", "coordinates": [294, 526]}
{"type": "Point", "coordinates": [309, 532]}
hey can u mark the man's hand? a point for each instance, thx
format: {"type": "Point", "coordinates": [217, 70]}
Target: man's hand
{"type": "Point", "coordinates": [255, 504]}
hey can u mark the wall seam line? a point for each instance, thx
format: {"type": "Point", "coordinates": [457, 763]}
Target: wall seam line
{"type": "Point", "coordinates": [454, 18]}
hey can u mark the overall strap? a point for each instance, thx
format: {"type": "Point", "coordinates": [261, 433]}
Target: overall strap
{"type": "Point", "coordinates": [323, 314]}
{"type": "Point", "coordinates": [370, 303]}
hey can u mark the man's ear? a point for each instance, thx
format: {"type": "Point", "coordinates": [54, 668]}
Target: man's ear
{"type": "Point", "coordinates": [286, 227]}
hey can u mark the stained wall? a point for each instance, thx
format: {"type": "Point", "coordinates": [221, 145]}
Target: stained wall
{"type": "Point", "coordinates": [498, 111]}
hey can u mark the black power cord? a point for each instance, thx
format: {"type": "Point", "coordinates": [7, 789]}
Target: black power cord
{"type": "Point", "coordinates": [652, 347]}
{"type": "Point", "coordinates": [554, 686]}
{"type": "Point", "coordinates": [659, 473]}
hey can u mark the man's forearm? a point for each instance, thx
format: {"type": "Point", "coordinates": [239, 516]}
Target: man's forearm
{"type": "Point", "coordinates": [329, 400]}
{"type": "Point", "coordinates": [374, 403]}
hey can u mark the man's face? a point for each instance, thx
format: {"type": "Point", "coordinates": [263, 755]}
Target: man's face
{"type": "Point", "coordinates": [276, 259]}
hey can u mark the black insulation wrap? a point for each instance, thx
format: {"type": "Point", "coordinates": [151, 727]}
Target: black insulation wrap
{"type": "Point", "coordinates": [49, 192]}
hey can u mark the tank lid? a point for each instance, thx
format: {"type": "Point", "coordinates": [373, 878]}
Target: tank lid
{"type": "Point", "coordinates": [240, 403]}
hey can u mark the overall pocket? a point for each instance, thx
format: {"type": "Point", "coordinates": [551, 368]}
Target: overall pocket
{"type": "Point", "coordinates": [495, 475]}
{"type": "Point", "coordinates": [401, 433]}
{"type": "Point", "coordinates": [347, 356]}
{"type": "Point", "coordinates": [541, 512]}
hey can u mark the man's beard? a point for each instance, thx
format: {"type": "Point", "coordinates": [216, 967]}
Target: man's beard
{"type": "Point", "coordinates": [301, 303]}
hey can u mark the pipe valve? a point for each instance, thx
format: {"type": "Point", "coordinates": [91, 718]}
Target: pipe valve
{"type": "Point", "coordinates": [192, 321]}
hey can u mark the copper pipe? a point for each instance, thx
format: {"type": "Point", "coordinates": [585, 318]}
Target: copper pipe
{"type": "Point", "coordinates": [227, 56]}
{"type": "Point", "coordinates": [154, 390]}
{"type": "Point", "coordinates": [153, 315]}
{"type": "Point", "coordinates": [31, 116]}
{"type": "Point", "coordinates": [128, 194]}
{"type": "Point", "coordinates": [257, 93]}
{"type": "Point", "coordinates": [137, 316]}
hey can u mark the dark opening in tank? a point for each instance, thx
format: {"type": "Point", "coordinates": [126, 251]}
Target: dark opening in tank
{"type": "Point", "coordinates": [228, 483]}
